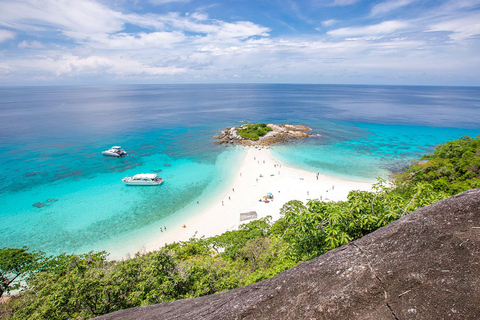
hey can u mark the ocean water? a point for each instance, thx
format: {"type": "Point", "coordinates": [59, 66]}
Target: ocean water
{"type": "Point", "coordinates": [59, 194]}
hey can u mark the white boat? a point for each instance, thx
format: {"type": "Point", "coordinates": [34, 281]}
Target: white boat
{"type": "Point", "coordinates": [143, 179]}
{"type": "Point", "coordinates": [115, 151]}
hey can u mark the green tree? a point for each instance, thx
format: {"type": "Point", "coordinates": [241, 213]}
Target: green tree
{"type": "Point", "coordinates": [17, 266]}
{"type": "Point", "coordinates": [253, 131]}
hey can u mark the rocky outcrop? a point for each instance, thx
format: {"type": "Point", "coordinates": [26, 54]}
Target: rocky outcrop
{"type": "Point", "coordinates": [423, 266]}
{"type": "Point", "coordinates": [280, 133]}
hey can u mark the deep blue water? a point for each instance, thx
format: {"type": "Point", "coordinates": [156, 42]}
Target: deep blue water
{"type": "Point", "coordinates": [51, 140]}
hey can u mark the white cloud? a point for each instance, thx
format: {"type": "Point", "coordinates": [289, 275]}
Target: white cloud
{"type": "Point", "coordinates": [214, 28]}
{"type": "Point", "coordinates": [241, 30]}
{"type": "Point", "coordinates": [344, 2]}
{"type": "Point", "coordinates": [69, 65]}
{"type": "Point", "coordinates": [78, 18]}
{"type": "Point", "coordinates": [462, 28]}
{"type": "Point", "coordinates": [30, 44]}
{"type": "Point", "coordinates": [137, 41]}
{"type": "Point", "coordinates": [193, 45]}
{"type": "Point", "coordinates": [386, 27]}
{"type": "Point", "coordinates": [329, 23]}
{"type": "Point", "coordinates": [388, 6]}
{"type": "Point", "coordinates": [160, 2]}
{"type": "Point", "coordinates": [6, 35]}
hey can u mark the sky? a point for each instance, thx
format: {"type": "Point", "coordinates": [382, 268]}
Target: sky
{"type": "Point", "coordinates": [96, 42]}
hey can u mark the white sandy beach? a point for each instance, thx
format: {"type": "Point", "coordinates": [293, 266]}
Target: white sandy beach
{"type": "Point", "coordinates": [258, 174]}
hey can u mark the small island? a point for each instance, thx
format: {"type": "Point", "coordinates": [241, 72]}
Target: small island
{"type": "Point", "coordinates": [262, 134]}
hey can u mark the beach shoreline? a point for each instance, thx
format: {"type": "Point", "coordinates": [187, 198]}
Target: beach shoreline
{"type": "Point", "coordinates": [258, 174]}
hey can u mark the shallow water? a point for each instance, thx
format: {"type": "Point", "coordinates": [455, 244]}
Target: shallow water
{"type": "Point", "coordinates": [51, 140]}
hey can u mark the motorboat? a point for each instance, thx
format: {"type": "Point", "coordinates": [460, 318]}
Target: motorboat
{"type": "Point", "coordinates": [115, 151]}
{"type": "Point", "coordinates": [143, 179]}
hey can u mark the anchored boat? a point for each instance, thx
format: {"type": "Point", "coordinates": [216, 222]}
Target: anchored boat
{"type": "Point", "coordinates": [115, 151]}
{"type": "Point", "coordinates": [143, 179]}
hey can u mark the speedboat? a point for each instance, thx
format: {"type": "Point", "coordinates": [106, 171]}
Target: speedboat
{"type": "Point", "coordinates": [143, 179]}
{"type": "Point", "coordinates": [115, 151]}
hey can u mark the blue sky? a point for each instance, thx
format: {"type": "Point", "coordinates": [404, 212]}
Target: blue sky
{"type": "Point", "coordinates": [411, 42]}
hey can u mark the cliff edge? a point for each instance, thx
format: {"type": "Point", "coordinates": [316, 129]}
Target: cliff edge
{"type": "Point", "coordinates": [423, 266]}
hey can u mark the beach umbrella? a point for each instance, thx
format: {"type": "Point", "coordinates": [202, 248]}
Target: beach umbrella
{"type": "Point", "coordinates": [269, 194]}
{"type": "Point", "coordinates": [265, 197]}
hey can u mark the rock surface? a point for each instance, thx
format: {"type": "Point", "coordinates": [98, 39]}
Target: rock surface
{"type": "Point", "coordinates": [280, 133]}
{"type": "Point", "coordinates": [423, 266]}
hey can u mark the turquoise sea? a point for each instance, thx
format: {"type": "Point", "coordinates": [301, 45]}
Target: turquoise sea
{"type": "Point", "coordinates": [58, 193]}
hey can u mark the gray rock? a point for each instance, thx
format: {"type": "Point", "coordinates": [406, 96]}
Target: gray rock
{"type": "Point", "coordinates": [423, 266]}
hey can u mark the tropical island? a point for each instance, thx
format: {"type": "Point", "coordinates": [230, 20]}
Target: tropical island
{"type": "Point", "coordinates": [262, 134]}
{"type": "Point", "coordinates": [443, 237]}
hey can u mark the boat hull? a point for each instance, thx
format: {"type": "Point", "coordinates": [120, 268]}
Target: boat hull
{"type": "Point", "coordinates": [143, 183]}
{"type": "Point", "coordinates": [143, 180]}
{"type": "Point", "coordinates": [110, 154]}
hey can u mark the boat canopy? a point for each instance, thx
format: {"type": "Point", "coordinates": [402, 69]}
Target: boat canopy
{"type": "Point", "coordinates": [145, 176]}
{"type": "Point", "coordinates": [116, 147]}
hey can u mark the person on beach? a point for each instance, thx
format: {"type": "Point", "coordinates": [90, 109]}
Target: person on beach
{"type": "Point", "coordinates": [222, 202]}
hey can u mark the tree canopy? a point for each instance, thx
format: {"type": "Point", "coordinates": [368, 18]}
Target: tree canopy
{"type": "Point", "coordinates": [253, 131]}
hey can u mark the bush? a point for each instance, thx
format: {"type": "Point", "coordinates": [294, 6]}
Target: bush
{"type": "Point", "coordinates": [253, 131]}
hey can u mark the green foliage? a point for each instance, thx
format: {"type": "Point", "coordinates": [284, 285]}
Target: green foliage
{"type": "Point", "coordinates": [231, 242]}
{"type": "Point", "coordinates": [453, 167]}
{"type": "Point", "coordinates": [88, 285]}
{"type": "Point", "coordinates": [312, 229]}
{"type": "Point", "coordinates": [253, 131]}
{"type": "Point", "coordinates": [17, 265]}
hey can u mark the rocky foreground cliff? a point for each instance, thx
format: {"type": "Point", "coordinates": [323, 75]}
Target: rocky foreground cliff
{"type": "Point", "coordinates": [423, 266]}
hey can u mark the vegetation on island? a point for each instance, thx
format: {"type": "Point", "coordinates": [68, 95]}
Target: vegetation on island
{"type": "Point", "coordinates": [88, 285]}
{"type": "Point", "coordinates": [253, 131]}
